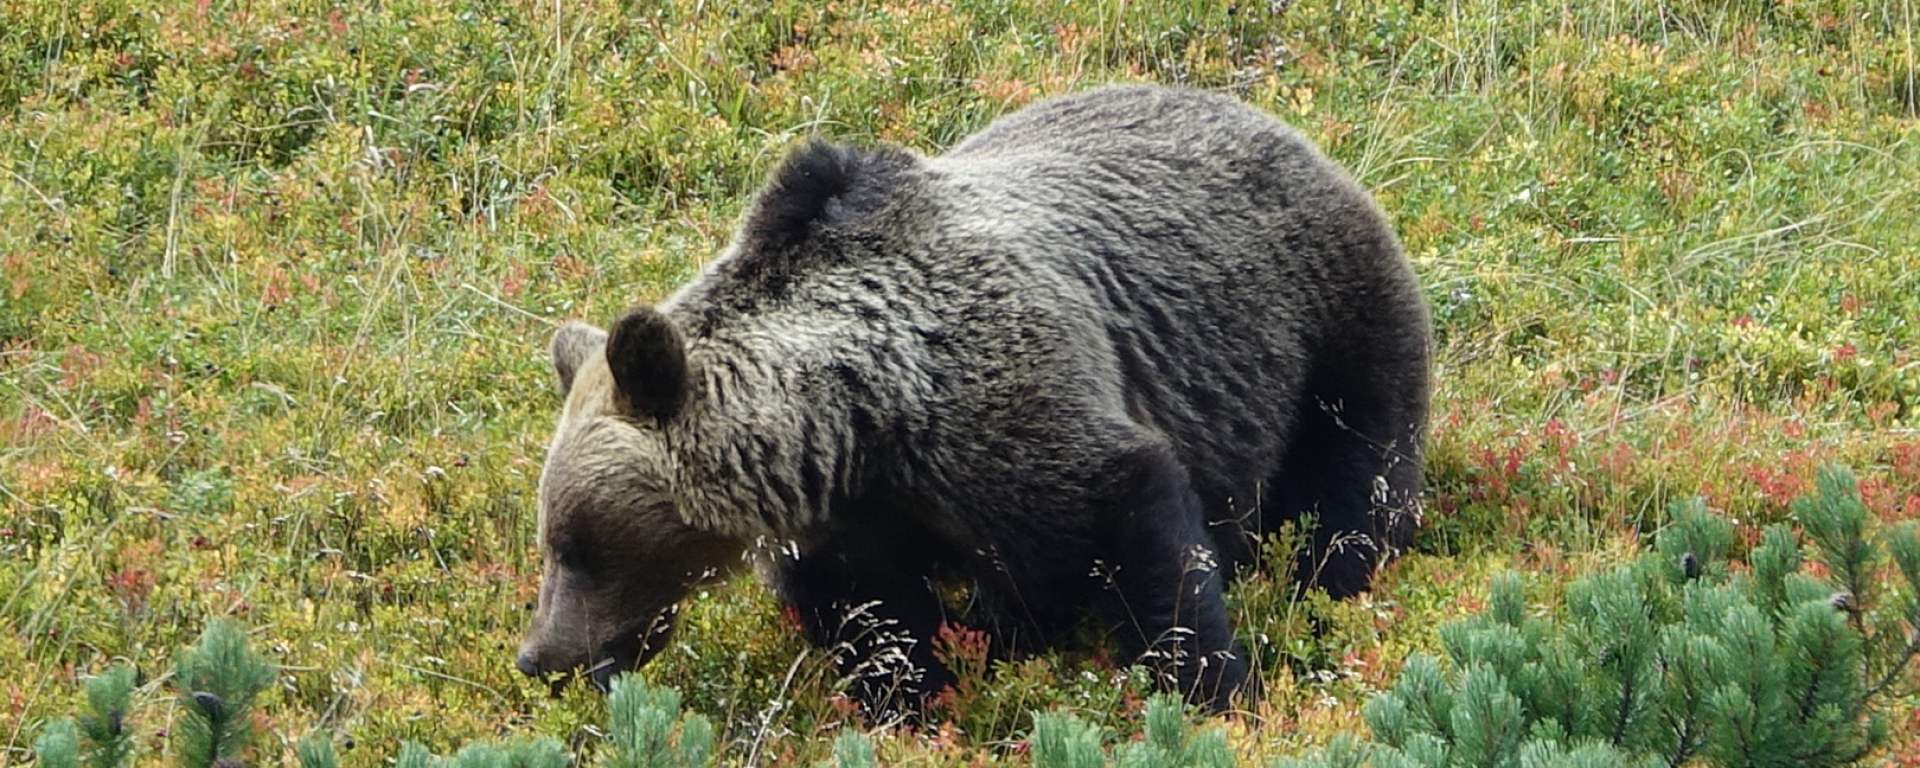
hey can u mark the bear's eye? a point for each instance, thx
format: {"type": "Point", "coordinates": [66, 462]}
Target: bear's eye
{"type": "Point", "coordinates": [572, 554]}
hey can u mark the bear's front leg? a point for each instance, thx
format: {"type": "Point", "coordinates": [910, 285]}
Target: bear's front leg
{"type": "Point", "coordinates": [860, 597]}
{"type": "Point", "coordinates": [1163, 578]}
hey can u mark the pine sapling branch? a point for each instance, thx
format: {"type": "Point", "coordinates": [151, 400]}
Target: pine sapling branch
{"type": "Point", "coordinates": [853, 750]}
{"type": "Point", "coordinates": [316, 751]}
{"type": "Point", "coordinates": [414, 755]}
{"type": "Point", "coordinates": [1906, 655]}
{"type": "Point", "coordinates": [1684, 745]}
{"type": "Point", "coordinates": [109, 697]}
{"type": "Point", "coordinates": [58, 745]}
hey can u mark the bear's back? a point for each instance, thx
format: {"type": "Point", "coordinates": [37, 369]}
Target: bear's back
{"type": "Point", "coordinates": [1222, 252]}
{"type": "Point", "coordinates": [1114, 119]}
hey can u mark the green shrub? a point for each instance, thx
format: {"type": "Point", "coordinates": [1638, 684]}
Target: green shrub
{"type": "Point", "coordinates": [524, 753]}
{"type": "Point", "coordinates": [1061, 740]}
{"type": "Point", "coordinates": [201, 493]}
{"type": "Point", "coordinates": [1680, 657]}
{"type": "Point", "coordinates": [219, 679]}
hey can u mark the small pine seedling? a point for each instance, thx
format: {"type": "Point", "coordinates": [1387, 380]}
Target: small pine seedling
{"type": "Point", "coordinates": [1171, 743]}
{"type": "Point", "coordinates": [642, 727]}
{"type": "Point", "coordinates": [58, 745]}
{"type": "Point", "coordinates": [525, 753]}
{"type": "Point", "coordinates": [852, 749]}
{"type": "Point", "coordinates": [414, 755]}
{"type": "Point", "coordinates": [109, 698]}
{"type": "Point", "coordinates": [100, 736]}
{"type": "Point", "coordinates": [316, 751]}
{"type": "Point", "coordinates": [218, 680]}
{"type": "Point", "coordinates": [1061, 740]}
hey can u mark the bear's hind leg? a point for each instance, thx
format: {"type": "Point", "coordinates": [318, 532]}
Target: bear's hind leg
{"type": "Point", "coordinates": [1163, 578]}
{"type": "Point", "coordinates": [1353, 464]}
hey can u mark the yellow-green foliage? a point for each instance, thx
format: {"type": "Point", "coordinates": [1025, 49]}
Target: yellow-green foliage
{"type": "Point", "coordinates": [276, 277]}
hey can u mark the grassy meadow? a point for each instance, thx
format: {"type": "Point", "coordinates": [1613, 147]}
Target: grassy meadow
{"type": "Point", "coordinates": [276, 280]}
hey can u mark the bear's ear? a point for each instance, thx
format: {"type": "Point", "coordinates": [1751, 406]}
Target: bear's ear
{"type": "Point", "coordinates": [572, 345]}
{"type": "Point", "coordinates": [649, 363]}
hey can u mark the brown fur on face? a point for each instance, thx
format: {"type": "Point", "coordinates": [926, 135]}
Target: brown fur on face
{"type": "Point", "coordinates": [617, 557]}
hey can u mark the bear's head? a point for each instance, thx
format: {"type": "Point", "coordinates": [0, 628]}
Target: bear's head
{"type": "Point", "coordinates": [617, 556]}
{"type": "Point", "coordinates": [619, 553]}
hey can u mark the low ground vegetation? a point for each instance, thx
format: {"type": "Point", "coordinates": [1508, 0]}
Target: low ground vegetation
{"type": "Point", "coordinates": [275, 279]}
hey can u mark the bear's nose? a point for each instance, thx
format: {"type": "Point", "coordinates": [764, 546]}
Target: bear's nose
{"type": "Point", "coordinates": [528, 665]}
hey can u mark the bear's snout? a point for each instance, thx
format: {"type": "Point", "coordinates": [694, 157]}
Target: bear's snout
{"type": "Point", "coordinates": [598, 662]}
{"type": "Point", "coordinates": [531, 660]}
{"type": "Point", "coordinates": [528, 663]}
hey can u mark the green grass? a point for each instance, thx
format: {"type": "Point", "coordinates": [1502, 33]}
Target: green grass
{"type": "Point", "coordinates": [276, 279]}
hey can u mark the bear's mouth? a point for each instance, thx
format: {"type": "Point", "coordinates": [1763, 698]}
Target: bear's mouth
{"type": "Point", "coordinates": [627, 652]}
{"type": "Point", "coordinates": [601, 675]}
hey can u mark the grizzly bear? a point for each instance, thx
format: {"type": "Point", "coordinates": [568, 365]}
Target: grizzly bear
{"type": "Point", "coordinates": [1073, 368]}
